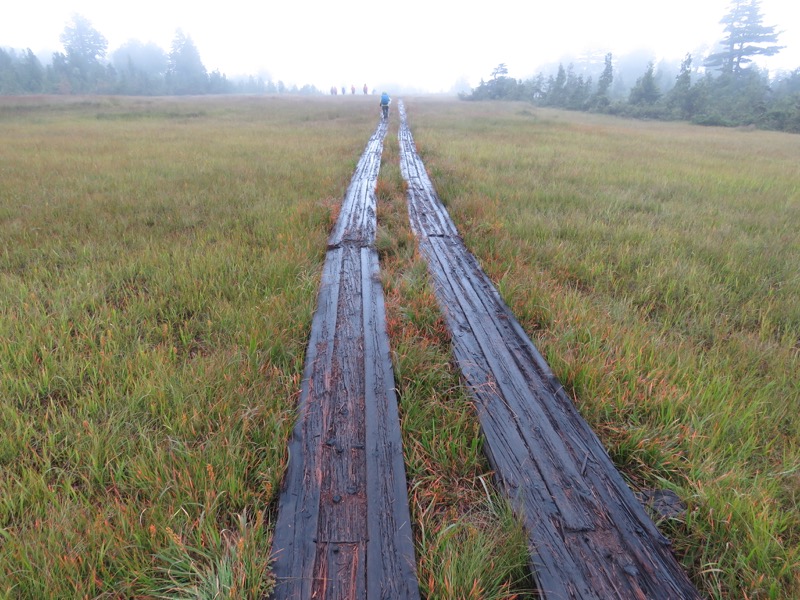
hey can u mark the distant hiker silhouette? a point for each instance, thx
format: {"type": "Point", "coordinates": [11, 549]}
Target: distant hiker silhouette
{"type": "Point", "coordinates": [385, 102]}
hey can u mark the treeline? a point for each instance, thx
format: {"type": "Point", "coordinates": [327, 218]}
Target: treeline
{"type": "Point", "coordinates": [727, 99]}
{"type": "Point", "coordinates": [135, 68]}
{"type": "Point", "coordinates": [730, 91]}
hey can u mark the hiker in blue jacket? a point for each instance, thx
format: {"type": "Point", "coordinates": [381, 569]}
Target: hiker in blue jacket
{"type": "Point", "coordinates": [385, 102]}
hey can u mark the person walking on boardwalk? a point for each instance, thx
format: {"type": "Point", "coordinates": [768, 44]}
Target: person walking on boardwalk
{"type": "Point", "coordinates": [385, 102]}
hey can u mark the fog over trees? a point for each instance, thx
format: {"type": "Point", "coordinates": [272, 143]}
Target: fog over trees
{"type": "Point", "coordinates": [723, 88]}
{"type": "Point", "coordinates": [747, 37]}
{"type": "Point", "coordinates": [726, 89]}
{"type": "Point", "coordinates": [135, 68]}
{"type": "Point", "coordinates": [140, 68]}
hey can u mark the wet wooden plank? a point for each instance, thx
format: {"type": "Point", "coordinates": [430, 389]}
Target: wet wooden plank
{"type": "Point", "coordinates": [357, 217]}
{"type": "Point", "coordinates": [343, 528]}
{"type": "Point", "coordinates": [588, 535]}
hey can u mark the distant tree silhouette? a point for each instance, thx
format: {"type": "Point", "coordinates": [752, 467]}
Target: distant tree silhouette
{"type": "Point", "coordinates": [85, 48]}
{"type": "Point", "coordinates": [31, 73]}
{"type": "Point", "coordinates": [218, 83]}
{"type": "Point", "coordinates": [140, 67]}
{"type": "Point", "coordinates": [186, 73]}
{"type": "Point", "coordinates": [557, 88]}
{"type": "Point", "coordinates": [499, 87]}
{"type": "Point", "coordinates": [600, 98]}
{"type": "Point", "coordinates": [9, 83]}
{"type": "Point", "coordinates": [499, 71]}
{"type": "Point", "coordinates": [747, 37]}
{"type": "Point", "coordinates": [681, 101]}
{"type": "Point", "coordinates": [738, 96]}
{"type": "Point", "coordinates": [645, 91]}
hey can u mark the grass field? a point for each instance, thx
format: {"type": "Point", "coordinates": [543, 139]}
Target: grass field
{"type": "Point", "coordinates": [657, 267]}
{"type": "Point", "coordinates": [159, 261]}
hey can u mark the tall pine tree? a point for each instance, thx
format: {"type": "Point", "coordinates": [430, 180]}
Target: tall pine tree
{"type": "Point", "coordinates": [600, 100]}
{"type": "Point", "coordinates": [186, 73]}
{"type": "Point", "coordinates": [85, 47]}
{"type": "Point", "coordinates": [746, 37]}
{"type": "Point", "coordinates": [645, 91]}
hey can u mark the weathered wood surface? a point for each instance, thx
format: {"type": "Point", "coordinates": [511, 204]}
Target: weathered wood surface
{"type": "Point", "coordinates": [588, 535]}
{"type": "Point", "coordinates": [343, 528]}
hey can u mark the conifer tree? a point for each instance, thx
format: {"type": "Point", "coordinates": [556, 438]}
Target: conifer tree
{"type": "Point", "coordinates": [606, 77]}
{"type": "Point", "coordinates": [186, 73]}
{"type": "Point", "coordinates": [746, 37]}
{"type": "Point", "coordinates": [85, 52]}
{"type": "Point", "coordinates": [646, 89]}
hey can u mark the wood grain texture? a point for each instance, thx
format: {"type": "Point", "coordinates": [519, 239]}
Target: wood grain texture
{"type": "Point", "coordinates": [588, 535]}
{"type": "Point", "coordinates": [343, 528]}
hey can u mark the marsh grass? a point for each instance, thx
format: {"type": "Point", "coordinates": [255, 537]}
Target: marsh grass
{"type": "Point", "coordinates": [158, 272]}
{"type": "Point", "coordinates": [656, 268]}
{"type": "Point", "coordinates": [159, 261]}
{"type": "Point", "coordinates": [468, 543]}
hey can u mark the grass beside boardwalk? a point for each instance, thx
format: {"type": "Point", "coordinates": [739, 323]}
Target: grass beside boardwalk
{"type": "Point", "coordinates": [468, 543]}
{"type": "Point", "coordinates": [656, 266]}
{"type": "Point", "coordinates": [159, 262]}
{"type": "Point", "coordinates": [159, 268]}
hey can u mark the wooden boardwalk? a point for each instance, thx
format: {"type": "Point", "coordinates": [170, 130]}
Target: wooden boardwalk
{"type": "Point", "coordinates": [588, 535]}
{"type": "Point", "coordinates": [343, 528]}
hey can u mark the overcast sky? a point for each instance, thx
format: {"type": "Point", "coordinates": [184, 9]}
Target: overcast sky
{"type": "Point", "coordinates": [424, 44]}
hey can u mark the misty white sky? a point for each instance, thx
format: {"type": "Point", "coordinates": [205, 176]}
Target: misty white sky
{"type": "Point", "coordinates": [424, 44]}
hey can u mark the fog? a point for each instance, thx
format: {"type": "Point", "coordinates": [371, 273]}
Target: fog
{"type": "Point", "coordinates": [416, 45]}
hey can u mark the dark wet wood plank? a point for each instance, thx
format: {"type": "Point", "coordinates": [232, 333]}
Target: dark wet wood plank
{"type": "Point", "coordinates": [343, 528]}
{"type": "Point", "coordinates": [588, 535]}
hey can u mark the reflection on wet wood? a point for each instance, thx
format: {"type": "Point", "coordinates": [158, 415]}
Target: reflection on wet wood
{"type": "Point", "coordinates": [588, 535]}
{"type": "Point", "coordinates": [343, 529]}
